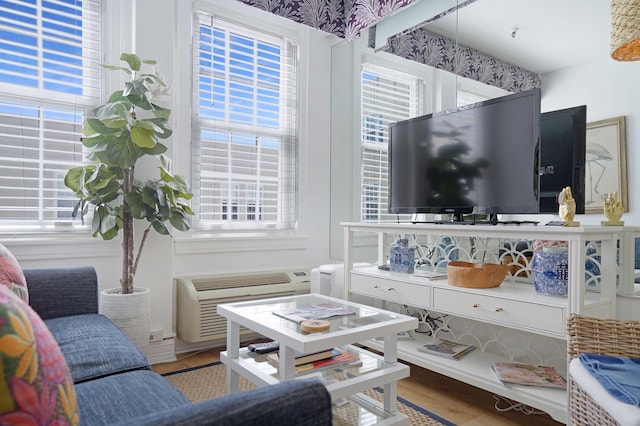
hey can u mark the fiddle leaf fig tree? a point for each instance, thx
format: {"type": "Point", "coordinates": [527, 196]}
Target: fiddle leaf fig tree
{"type": "Point", "coordinates": [128, 127]}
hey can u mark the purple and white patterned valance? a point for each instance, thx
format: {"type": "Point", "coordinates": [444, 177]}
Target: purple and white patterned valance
{"type": "Point", "coordinates": [347, 18]}
{"type": "Point", "coordinates": [440, 52]}
{"type": "Point", "coordinates": [343, 18]}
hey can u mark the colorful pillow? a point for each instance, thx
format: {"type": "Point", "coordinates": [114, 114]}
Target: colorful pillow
{"type": "Point", "coordinates": [35, 384]}
{"type": "Point", "coordinates": [11, 274]}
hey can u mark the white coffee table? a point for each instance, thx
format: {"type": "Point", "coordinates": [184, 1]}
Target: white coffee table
{"type": "Point", "coordinates": [367, 323]}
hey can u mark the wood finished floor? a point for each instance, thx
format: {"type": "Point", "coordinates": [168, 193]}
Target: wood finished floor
{"type": "Point", "coordinates": [455, 401]}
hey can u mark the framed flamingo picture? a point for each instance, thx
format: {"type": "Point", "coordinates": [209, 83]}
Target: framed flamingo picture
{"type": "Point", "coordinates": [606, 163]}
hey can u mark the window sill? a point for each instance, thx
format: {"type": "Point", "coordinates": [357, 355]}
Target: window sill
{"type": "Point", "coordinates": [239, 243]}
{"type": "Point", "coordinates": [45, 247]}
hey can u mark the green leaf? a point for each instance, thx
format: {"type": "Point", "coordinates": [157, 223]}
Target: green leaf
{"type": "Point", "coordinates": [114, 123]}
{"type": "Point", "coordinates": [160, 227]}
{"type": "Point", "coordinates": [143, 138]}
{"type": "Point", "coordinates": [158, 149]}
{"type": "Point", "coordinates": [113, 67]}
{"type": "Point", "coordinates": [160, 112]}
{"type": "Point", "coordinates": [72, 178]}
{"type": "Point", "coordinates": [186, 208]}
{"type": "Point", "coordinates": [179, 222]}
{"type": "Point", "coordinates": [134, 62]}
{"type": "Point", "coordinates": [136, 205]}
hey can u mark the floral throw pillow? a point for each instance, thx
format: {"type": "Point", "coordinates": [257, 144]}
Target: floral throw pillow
{"type": "Point", "coordinates": [35, 384]}
{"type": "Point", "coordinates": [11, 274]}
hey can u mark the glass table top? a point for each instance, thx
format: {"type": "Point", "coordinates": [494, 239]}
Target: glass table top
{"type": "Point", "coordinates": [272, 313]}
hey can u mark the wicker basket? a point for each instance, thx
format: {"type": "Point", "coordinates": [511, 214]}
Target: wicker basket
{"type": "Point", "coordinates": [597, 336]}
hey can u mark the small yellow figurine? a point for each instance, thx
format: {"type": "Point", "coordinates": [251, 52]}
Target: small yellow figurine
{"type": "Point", "coordinates": [567, 209]}
{"type": "Point", "coordinates": [613, 210]}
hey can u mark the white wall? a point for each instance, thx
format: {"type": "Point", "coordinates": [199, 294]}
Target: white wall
{"type": "Point", "coordinates": [163, 32]}
{"type": "Point", "coordinates": [609, 89]}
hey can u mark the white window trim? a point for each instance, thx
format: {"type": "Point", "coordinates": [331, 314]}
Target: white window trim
{"type": "Point", "coordinates": [392, 63]}
{"type": "Point", "coordinates": [113, 30]}
{"type": "Point", "coordinates": [208, 241]}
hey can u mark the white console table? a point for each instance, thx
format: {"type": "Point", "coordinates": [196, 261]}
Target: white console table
{"type": "Point", "coordinates": [514, 305]}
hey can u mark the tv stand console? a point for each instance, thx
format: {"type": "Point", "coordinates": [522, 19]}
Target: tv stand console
{"type": "Point", "coordinates": [508, 323]}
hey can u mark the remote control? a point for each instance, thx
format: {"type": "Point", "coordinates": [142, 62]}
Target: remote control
{"type": "Point", "coordinates": [264, 348]}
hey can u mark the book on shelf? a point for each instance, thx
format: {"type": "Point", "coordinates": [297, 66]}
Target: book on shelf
{"type": "Point", "coordinates": [447, 348]}
{"type": "Point", "coordinates": [316, 356]}
{"type": "Point", "coordinates": [527, 374]}
{"type": "Point", "coordinates": [343, 359]}
{"type": "Point", "coordinates": [312, 312]}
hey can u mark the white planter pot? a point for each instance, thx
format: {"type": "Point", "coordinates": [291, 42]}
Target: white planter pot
{"type": "Point", "coordinates": [130, 312]}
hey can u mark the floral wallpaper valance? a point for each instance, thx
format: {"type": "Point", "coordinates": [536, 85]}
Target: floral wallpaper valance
{"type": "Point", "coordinates": [347, 18]}
{"type": "Point", "coordinates": [343, 18]}
{"type": "Point", "coordinates": [440, 52]}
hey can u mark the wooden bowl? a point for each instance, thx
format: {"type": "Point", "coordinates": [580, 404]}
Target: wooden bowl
{"type": "Point", "coordinates": [476, 275]}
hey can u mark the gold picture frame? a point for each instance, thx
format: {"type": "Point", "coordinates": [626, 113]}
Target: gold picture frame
{"type": "Point", "coordinates": [606, 163]}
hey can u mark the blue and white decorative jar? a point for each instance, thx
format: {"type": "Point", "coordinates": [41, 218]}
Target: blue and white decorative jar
{"type": "Point", "coordinates": [550, 267]}
{"type": "Point", "coordinates": [402, 257]}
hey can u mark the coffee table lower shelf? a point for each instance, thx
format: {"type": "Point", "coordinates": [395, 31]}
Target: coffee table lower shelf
{"type": "Point", "coordinates": [344, 383]}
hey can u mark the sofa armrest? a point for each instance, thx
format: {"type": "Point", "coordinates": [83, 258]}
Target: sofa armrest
{"type": "Point", "coordinates": [57, 292]}
{"type": "Point", "coordinates": [293, 403]}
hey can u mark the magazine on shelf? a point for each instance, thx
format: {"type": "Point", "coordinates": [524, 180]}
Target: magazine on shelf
{"type": "Point", "coordinates": [447, 348]}
{"type": "Point", "coordinates": [312, 312]}
{"type": "Point", "coordinates": [527, 374]}
{"type": "Point", "coordinates": [343, 359]}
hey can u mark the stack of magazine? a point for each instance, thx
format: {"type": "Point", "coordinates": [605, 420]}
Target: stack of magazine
{"type": "Point", "coordinates": [312, 363]}
{"type": "Point", "coordinates": [530, 375]}
{"type": "Point", "coordinates": [447, 348]}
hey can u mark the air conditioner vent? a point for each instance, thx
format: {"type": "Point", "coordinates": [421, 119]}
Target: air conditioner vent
{"type": "Point", "coordinates": [198, 299]}
{"type": "Point", "coordinates": [237, 281]}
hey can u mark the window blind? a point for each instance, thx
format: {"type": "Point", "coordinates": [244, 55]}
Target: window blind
{"type": "Point", "coordinates": [245, 133]}
{"type": "Point", "coordinates": [387, 96]}
{"type": "Point", "coordinates": [49, 77]}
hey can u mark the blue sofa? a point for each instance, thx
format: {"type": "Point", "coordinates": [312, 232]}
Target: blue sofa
{"type": "Point", "coordinates": [113, 380]}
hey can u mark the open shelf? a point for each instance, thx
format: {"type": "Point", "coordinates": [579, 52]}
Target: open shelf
{"type": "Point", "coordinates": [341, 381]}
{"type": "Point", "coordinates": [475, 369]}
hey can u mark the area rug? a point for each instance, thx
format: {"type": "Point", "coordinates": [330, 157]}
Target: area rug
{"type": "Point", "coordinates": [209, 381]}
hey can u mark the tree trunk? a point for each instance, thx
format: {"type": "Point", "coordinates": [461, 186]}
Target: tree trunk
{"type": "Point", "coordinates": [126, 281]}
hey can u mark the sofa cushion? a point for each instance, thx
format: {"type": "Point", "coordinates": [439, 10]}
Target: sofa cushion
{"type": "Point", "coordinates": [95, 347]}
{"type": "Point", "coordinates": [11, 274]}
{"type": "Point", "coordinates": [123, 397]}
{"type": "Point", "coordinates": [35, 384]}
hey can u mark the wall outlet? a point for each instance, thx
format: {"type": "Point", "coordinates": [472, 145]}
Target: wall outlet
{"type": "Point", "coordinates": [156, 336]}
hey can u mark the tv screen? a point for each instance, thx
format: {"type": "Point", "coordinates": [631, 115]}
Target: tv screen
{"type": "Point", "coordinates": [563, 141]}
{"type": "Point", "coordinates": [480, 158]}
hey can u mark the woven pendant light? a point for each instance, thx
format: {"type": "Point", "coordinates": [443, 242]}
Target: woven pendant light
{"type": "Point", "coordinates": [625, 30]}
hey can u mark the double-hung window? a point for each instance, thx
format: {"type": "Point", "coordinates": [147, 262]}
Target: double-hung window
{"type": "Point", "coordinates": [244, 127]}
{"type": "Point", "coordinates": [387, 96]}
{"type": "Point", "coordinates": [49, 78]}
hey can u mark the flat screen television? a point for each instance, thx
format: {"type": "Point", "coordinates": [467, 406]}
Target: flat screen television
{"type": "Point", "coordinates": [563, 142]}
{"type": "Point", "coordinates": [480, 158]}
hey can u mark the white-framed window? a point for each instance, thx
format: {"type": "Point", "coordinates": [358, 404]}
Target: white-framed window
{"type": "Point", "coordinates": [49, 78]}
{"type": "Point", "coordinates": [387, 96]}
{"type": "Point", "coordinates": [244, 126]}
